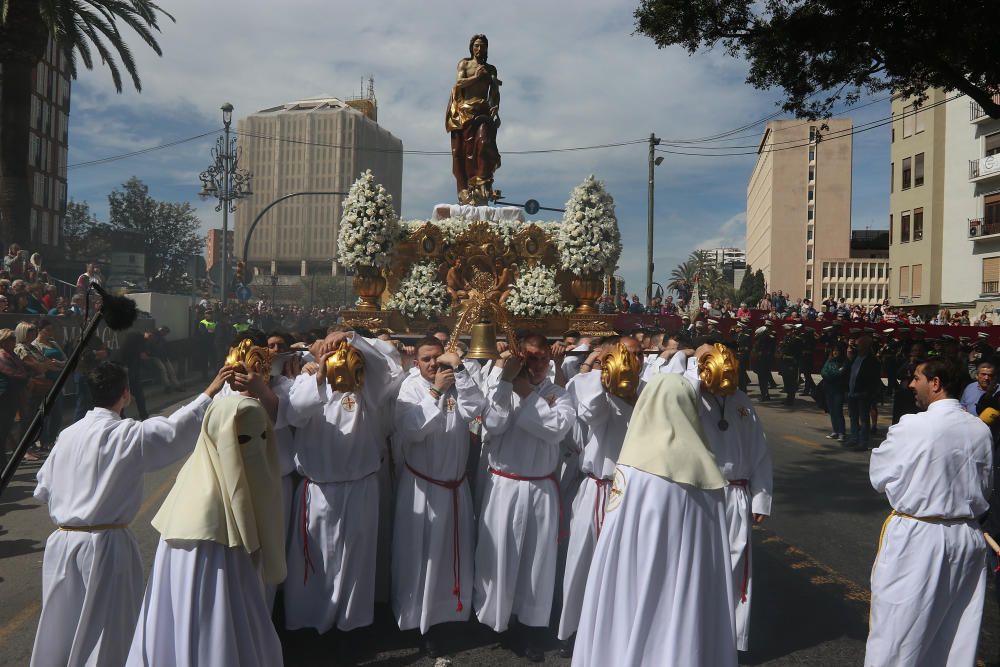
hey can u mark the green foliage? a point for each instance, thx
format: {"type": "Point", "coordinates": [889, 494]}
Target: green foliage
{"type": "Point", "coordinates": [821, 51]}
{"type": "Point", "coordinates": [86, 238]}
{"type": "Point", "coordinates": [170, 233]}
{"type": "Point", "coordinates": [700, 267]}
{"type": "Point", "coordinates": [81, 28]}
{"type": "Point", "coordinates": [751, 287]}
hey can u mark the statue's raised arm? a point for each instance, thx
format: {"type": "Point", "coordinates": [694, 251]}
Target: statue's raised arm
{"type": "Point", "coordinates": [473, 117]}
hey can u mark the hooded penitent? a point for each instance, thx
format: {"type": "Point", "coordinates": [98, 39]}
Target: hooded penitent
{"type": "Point", "coordinates": [665, 437]}
{"type": "Point", "coordinates": [229, 490]}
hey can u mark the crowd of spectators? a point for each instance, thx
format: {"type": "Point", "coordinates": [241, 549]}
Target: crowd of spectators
{"type": "Point", "coordinates": [26, 287]}
{"type": "Point", "coordinates": [780, 306]}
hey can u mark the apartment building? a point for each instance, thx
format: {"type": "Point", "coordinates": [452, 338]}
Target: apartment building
{"type": "Point", "coordinates": [312, 145]}
{"type": "Point", "coordinates": [799, 203]}
{"type": "Point", "coordinates": [945, 204]}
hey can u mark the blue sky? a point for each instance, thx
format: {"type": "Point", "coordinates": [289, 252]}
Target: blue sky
{"type": "Point", "coordinates": [574, 74]}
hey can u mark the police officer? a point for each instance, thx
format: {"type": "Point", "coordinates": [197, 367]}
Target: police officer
{"type": "Point", "coordinates": [789, 353]}
{"type": "Point", "coordinates": [763, 354]}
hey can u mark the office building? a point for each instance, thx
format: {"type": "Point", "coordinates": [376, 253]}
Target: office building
{"type": "Point", "coordinates": [313, 145]}
{"type": "Point", "coordinates": [799, 203]}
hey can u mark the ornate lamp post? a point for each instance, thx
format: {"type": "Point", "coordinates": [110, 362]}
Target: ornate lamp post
{"type": "Point", "coordinates": [225, 181]}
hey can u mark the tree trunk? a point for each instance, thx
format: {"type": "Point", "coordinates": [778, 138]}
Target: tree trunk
{"type": "Point", "coordinates": [15, 128]}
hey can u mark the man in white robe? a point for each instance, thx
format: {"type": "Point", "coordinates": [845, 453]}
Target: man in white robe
{"type": "Point", "coordinates": [339, 444]}
{"type": "Point", "coordinates": [526, 417]}
{"type": "Point", "coordinates": [604, 418]}
{"type": "Point", "coordinates": [659, 591]}
{"type": "Point", "coordinates": [736, 437]}
{"type": "Point", "coordinates": [929, 578]}
{"type": "Point", "coordinates": [92, 482]}
{"type": "Point", "coordinates": [433, 533]}
{"type": "Point", "coordinates": [221, 541]}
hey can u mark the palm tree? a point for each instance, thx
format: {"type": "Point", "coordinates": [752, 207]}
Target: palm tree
{"type": "Point", "coordinates": [78, 28]}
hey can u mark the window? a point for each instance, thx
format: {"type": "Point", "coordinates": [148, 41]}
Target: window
{"type": "Point", "coordinates": [991, 209]}
{"type": "Point", "coordinates": [840, 270]}
{"type": "Point", "coordinates": [809, 252]}
{"type": "Point", "coordinates": [908, 121]}
{"type": "Point", "coordinates": [809, 234]}
{"type": "Point", "coordinates": [812, 194]}
{"type": "Point", "coordinates": [890, 229]}
{"type": "Point", "coordinates": [812, 154]}
{"type": "Point", "coordinates": [892, 175]}
{"type": "Point", "coordinates": [812, 133]}
{"type": "Point", "coordinates": [916, 278]}
{"type": "Point", "coordinates": [849, 267]}
{"type": "Point", "coordinates": [991, 275]}
{"type": "Point", "coordinates": [864, 270]}
{"type": "Point", "coordinates": [918, 224]}
{"type": "Point", "coordinates": [826, 270]}
{"type": "Point", "coordinates": [812, 173]}
{"type": "Point", "coordinates": [918, 170]}
{"type": "Point", "coordinates": [907, 173]}
{"type": "Point", "coordinates": [904, 281]}
{"type": "Point", "coordinates": [919, 123]}
{"type": "Point", "coordinates": [809, 293]}
{"type": "Point", "coordinates": [811, 214]}
{"type": "Point", "coordinates": [855, 292]}
{"type": "Point", "coordinates": [992, 144]}
{"type": "Point", "coordinates": [809, 273]}
{"type": "Point", "coordinates": [904, 224]}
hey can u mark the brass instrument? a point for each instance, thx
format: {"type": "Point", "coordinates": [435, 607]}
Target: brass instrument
{"type": "Point", "coordinates": [251, 358]}
{"type": "Point", "coordinates": [620, 373]}
{"type": "Point", "coordinates": [345, 368]}
{"type": "Point", "coordinates": [718, 371]}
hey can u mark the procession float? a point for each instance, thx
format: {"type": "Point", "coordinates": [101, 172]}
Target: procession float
{"type": "Point", "coordinates": [475, 262]}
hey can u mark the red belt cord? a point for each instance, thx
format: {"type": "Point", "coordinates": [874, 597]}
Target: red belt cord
{"type": "Point", "coordinates": [456, 554]}
{"type": "Point", "coordinates": [600, 501]}
{"type": "Point", "coordinates": [551, 476]}
{"type": "Point", "coordinates": [744, 483]}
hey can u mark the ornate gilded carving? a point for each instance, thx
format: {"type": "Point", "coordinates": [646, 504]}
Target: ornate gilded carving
{"type": "Point", "coordinates": [620, 373]}
{"type": "Point", "coordinates": [531, 243]}
{"type": "Point", "coordinates": [371, 323]}
{"type": "Point", "coordinates": [718, 371]}
{"type": "Point", "coordinates": [482, 305]}
{"type": "Point", "coordinates": [345, 369]}
{"type": "Point", "coordinates": [429, 241]}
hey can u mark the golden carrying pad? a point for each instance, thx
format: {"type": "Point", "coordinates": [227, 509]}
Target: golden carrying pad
{"type": "Point", "coordinates": [345, 368]}
{"type": "Point", "coordinates": [718, 371]}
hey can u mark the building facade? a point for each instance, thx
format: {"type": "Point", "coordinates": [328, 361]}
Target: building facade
{"type": "Point", "coordinates": [312, 145]}
{"type": "Point", "coordinates": [213, 247]}
{"type": "Point", "coordinates": [945, 204]}
{"type": "Point", "coordinates": [799, 203]}
{"type": "Point", "coordinates": [48, 146]}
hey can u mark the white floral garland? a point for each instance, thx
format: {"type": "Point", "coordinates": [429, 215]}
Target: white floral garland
{"type": "Point", "coordinates": [588, 239]}
{"type": "Point", "coordinates": [535, 293]}
{"type": "Point", "coordinates": [369, 227]}
{"type": "Point", "coordinates": [421, 293]}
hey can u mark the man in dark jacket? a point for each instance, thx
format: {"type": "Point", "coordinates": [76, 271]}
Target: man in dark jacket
{"type": "Point", "coordinates": [863, 387]}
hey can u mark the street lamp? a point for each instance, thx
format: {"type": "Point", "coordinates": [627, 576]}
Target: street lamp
{"type": "Point", "coordinates": [225, 181]}
{"type": "Point", "coordinates": [274, 286]}
{"type": "Point", "coordinates": [654, 161]}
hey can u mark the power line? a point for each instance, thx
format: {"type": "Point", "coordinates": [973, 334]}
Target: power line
{"type": "Point", "coordinates": [838, 134]}
{"type": "Point", "coordinates": [114, 158]}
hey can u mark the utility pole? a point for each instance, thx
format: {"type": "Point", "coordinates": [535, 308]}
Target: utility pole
{"type": "Point", "coordinates": [653, 162]}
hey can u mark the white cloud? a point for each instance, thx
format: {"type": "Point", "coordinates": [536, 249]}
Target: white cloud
{"type": "Point", "coordinates": [574, 74]}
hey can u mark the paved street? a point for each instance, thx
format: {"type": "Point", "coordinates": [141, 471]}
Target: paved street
{"type": "Point", "coordinates": [812, 562]}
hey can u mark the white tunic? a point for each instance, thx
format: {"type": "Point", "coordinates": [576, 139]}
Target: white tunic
{"type": "Point", "coordinates": [519, 525]}
{"type": "Point", "coordinates": [339, 443]}
{"type": "Point", "coordinates": [745, 461]}
{"type": "Point", "coordinates": [659, 590]}
{"type": "Point", "coordinates": [92, 581]}
{"type": "Point", "coordinates": [431, 554]}
{"type": "Point", "coordinates": [929, 577]}
{"type": "Point", "coordinates": [204, 605]}
{"type": "Point", "coordinates": [605, 419]}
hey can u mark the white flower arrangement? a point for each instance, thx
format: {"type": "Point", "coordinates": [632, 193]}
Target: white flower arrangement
{"type": "Point", "coordinates": [369, 227]}
{"type": "Point", "coordinates": [535, 293]}
{"type": "Point", "coordinates": [421, 293]}
{"type": "Point", "coordinates": [588, 239]}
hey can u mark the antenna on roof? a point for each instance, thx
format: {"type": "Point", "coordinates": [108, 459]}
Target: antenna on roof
{"type": "Point", "coordinates": [371, 87]}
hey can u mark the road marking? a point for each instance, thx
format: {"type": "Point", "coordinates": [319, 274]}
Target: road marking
{"type": "Point", "coordinates": [826, 575]}
{"type": "Point", "coordinates": [802, 441]}
{"type": "Point", "coordinates": [26, 614]}
{"type": "Point", "coordinates": [11, 627]}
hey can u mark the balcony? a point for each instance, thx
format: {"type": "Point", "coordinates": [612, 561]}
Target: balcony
{"type": "Point", "coordinates": [976, 113]}
{"type": "Point", "coordinates": [979, 229]}
{"type": "Point", "coordinates": [984, 168]}
{"type": "Point", "coordinates": [990, 288]}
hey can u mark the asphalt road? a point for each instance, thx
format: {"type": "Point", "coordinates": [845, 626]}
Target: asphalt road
{"type": "Point", "coordinates": [812, 561]}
